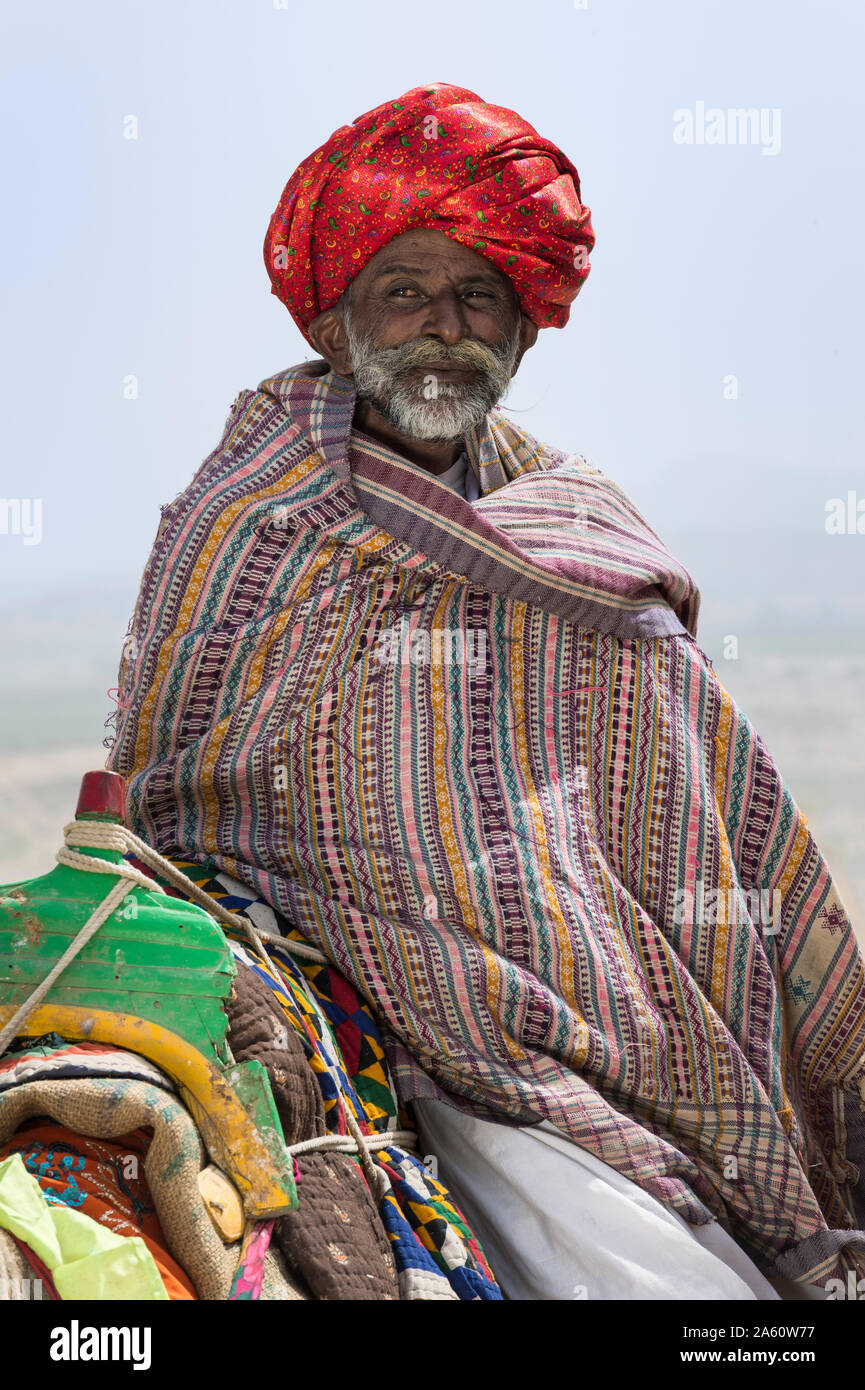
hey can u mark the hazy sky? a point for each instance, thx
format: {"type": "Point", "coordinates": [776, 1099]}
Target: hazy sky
{"type": "Point", "coordinates": [143, 257]}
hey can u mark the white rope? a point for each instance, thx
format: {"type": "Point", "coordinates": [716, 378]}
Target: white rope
{"type": "Point", "coordinates": [89, 865]}
{"type": "Point", "coordinates": [345, 1143]}
{"type": "Point", "coordinates": [100, 835]}
{"type": "Point", "coordinates": [105, 835]}
{"type": "Point", "coordinates": [100, 914]}
{"type": "Point", "coordinates": [364, 1145]}
{"type": "Point", "coordinates": [374, 1176]}
{"type": "Point", "coordinates": [296, 948]}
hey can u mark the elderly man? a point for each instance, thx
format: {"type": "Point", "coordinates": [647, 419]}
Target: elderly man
{"type": "Point", "coordinates": [431, 689]}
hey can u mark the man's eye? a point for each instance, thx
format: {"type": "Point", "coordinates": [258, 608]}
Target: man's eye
{"type": "Point", "coordinates": [408, 291]}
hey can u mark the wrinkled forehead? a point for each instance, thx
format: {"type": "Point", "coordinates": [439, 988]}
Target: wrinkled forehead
{"type": "Point", "coordinates": [432, 255]}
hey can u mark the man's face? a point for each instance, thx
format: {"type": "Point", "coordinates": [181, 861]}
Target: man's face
{"type": "Point", "coordinates": [433, 334]}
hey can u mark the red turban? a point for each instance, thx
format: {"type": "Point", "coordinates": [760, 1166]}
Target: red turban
{"type": "Point", "coordinates": [438, 157]}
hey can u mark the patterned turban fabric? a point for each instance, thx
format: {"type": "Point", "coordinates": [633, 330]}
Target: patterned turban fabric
{"type": "Point", "coordinates": [439, 157]}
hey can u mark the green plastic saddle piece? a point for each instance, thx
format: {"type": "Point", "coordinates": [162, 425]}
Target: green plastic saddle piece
{"type": "Point", "coordinates": [154, 978]}
{"type": "Point", "coordinates": [156, 957]}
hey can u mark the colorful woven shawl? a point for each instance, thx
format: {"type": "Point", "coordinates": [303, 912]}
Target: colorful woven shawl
{"type": "Point", "coordinates": [475, 755]}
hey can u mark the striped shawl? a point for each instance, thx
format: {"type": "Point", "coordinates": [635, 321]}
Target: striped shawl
{"type": "Point", "coordinates": [475, 754]}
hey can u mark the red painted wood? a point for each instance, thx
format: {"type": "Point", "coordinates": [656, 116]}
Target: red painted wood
{"type": "Point", "coordinates": [102, 793]}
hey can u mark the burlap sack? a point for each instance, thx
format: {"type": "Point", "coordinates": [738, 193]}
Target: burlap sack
{"type": "Point", "coordinates": [104, 1108]}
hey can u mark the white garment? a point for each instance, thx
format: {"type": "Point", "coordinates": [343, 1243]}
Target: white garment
{"type": "Point", "coordinates": [455, 476]}
{"type": "Point", "coordinates": [459, 477]}
{"type": "Point", "coordinates": [555, 1222]}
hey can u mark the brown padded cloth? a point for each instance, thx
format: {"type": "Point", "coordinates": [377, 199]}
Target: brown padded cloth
{"type": "Point", "coordinates": [257, 1027]}
{"type": "Point", "coordinates": [335, 1240]}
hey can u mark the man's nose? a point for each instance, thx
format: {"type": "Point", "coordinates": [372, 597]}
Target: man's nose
{"type": "Point", "coordinates": [445, 317]}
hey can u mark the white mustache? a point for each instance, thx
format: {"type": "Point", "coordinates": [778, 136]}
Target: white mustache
{"type": "Point", "coordinates": [430, 410]}
{"type": "Point", "coordinates": [420, 353]}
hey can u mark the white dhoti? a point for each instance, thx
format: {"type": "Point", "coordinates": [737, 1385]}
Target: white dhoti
{"type": "Point", "coordinates": [557, 1223]}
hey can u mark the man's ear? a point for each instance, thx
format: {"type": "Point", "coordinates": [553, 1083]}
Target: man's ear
{"type": "Point", "coordinates": [528, 338]}
{"type": "Point", "coordinates": [328, 336]}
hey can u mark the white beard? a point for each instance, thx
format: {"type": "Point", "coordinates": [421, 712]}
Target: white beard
{"type": "Point", "coordinates": [413, 401]}
{"type": "Point", "coordinates": [455, 409]}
